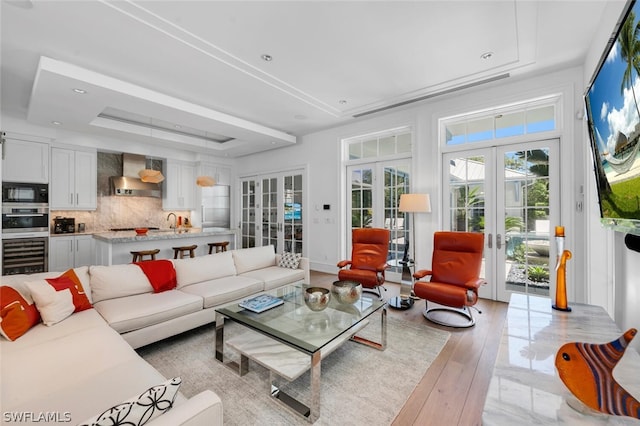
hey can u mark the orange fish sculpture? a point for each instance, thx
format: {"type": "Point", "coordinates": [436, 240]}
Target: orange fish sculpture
{"type": "Point", "coordinates": [587, 370]}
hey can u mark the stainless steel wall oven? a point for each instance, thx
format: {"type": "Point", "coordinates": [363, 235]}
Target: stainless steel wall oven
{"type": "Point", "coordinates": [21, 218]}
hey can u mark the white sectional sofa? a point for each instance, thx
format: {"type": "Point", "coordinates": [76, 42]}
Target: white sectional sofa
{"type": "Point", "coordinates": [86, 363]}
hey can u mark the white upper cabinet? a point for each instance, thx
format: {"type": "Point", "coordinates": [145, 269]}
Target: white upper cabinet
{"type": "Point", "coordinates": [25, 161]}
{"type": "Point", "coordinates": [222, 175]}
{"type": "Point", "coordinates": [179, 186]}
{"type": "Point", "coordinates": [73, 179]}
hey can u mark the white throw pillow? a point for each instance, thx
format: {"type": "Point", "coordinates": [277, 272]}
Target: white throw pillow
{"type": "Point", "coordinates": [140, 409]}
{"type": "Point", "coordinates": [54, 306]}
{"type": "Point", "coordinates": [110, 282]}
{"type": "Point", "coordinates": [289, 260]}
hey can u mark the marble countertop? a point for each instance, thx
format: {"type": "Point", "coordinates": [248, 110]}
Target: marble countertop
{"type": "Point", "coordinates": [525, 387]}
{"type": "Point", "coordinates": [115, 237]}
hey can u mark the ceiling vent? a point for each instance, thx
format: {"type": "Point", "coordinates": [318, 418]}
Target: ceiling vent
{"type": "Point", "coordinates": [434, 94]}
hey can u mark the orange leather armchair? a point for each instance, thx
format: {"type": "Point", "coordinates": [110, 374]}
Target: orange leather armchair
{"type": "Point", "coordinates": [455, 270]}
{"type": "Point", "coordinates": [370, 248]}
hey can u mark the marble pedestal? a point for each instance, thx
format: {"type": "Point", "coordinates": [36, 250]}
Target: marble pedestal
{"type": "Point", "coordinates": [525, 387]}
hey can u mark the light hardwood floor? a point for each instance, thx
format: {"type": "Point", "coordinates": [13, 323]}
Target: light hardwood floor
{"type": "Point", "coordinates": [453, 390]}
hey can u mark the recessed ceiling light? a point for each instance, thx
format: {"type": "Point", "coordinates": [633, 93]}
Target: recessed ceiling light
{"type": "Point", "coordinates": [56, 123]}
{"type": "Point", "coordinates": [80, 91]}
{"type": "Point", "coordinates": [267, 58]}
{"type": "Point", "coordinates": [486, 55]}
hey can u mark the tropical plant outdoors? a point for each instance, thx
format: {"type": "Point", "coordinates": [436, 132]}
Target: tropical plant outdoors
{"type": "Point", "coordinates": [538, 273]}
{"type": "Point", "coordinates": [629, 41]}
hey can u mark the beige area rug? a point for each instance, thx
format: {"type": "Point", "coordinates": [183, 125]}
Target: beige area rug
{"type": "Point", "coordinates": [360, 385]}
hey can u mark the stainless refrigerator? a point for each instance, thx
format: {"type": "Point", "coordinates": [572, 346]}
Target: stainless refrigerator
{"type": "Point", "coordinates": [215, 207]}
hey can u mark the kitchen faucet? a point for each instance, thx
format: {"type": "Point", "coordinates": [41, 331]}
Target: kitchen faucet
{"type": "Point", "coordinates": [175, 220]}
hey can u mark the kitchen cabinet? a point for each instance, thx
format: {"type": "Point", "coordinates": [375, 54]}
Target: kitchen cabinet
{"type": "Point", "coordinates": [179, 186]}
{"type": "Point", "coordinates": [222, 175]}
{"type": "Point", "coordinates": [66, 252]}
{"type": "Point", "coordinates": [25, 161]}
{"type": "Point", "coordinates": [74, 176]}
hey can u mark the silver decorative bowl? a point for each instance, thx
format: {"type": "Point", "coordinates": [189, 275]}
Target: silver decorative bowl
{"type": "Point", "coordinates": [317, 298]}
{"type": "Point", "coordinates": [347, 292]}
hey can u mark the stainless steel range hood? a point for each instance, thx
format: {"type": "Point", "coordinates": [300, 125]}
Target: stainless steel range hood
{"type": "Point", "coordinates": [129, 184]}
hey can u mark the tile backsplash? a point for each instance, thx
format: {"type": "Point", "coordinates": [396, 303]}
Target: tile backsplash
{"type": "Point", "coordinates": [119, 211]}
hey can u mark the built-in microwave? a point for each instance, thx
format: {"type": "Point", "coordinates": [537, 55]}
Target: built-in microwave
{"type": "Point", "coordinates": [25, 193]}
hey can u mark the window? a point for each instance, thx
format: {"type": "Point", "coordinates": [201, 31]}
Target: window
{"type": "Point", "coordinates": [516, 120]}
{"type": "Point", "coordinates": [385, 144]}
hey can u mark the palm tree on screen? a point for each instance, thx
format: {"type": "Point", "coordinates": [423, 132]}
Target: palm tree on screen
{"type": "Point", "coordinates": [630, 52]}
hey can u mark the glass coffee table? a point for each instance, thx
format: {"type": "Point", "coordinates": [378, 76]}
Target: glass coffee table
{"type": "Point", "coordinates": [291, 339]}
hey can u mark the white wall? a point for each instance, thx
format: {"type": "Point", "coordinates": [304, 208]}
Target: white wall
{"type": "Point", "coordinates": [320, 153]}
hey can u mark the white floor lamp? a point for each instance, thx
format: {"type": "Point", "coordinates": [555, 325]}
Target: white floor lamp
{"type": "Point", "coordinates": [410, 203]}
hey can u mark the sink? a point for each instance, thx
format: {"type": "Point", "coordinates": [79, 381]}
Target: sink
{"type": "Point", "coordinates": [168, 231]}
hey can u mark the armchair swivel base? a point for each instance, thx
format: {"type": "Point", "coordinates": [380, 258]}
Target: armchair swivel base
{"type": "Point", "coordinates": [451, 317]}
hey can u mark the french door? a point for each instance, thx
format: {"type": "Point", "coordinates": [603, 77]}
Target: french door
{"type": "Point", "coordinates": [272, 211]}
{"type": "Point", "coordinates": [511, 194]}
{"type": "Point", "coordinates": [372, 202]}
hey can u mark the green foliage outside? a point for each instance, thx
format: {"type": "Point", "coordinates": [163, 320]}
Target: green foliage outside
{"type": "Point", "coordinates": [538, 273]}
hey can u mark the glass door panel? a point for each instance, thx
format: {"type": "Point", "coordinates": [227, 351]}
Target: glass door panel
{"type": "Point", "coordinates": [375, 190]}
{"type": "Point", "coordinates": [470, 203]}
{"type": "Point", "coordinates": [527, 220]}
{"type": "Point", "coordinates": [396, 183]}
{"type": "Point", "coordinates": [292, 217]}
{"type": "Point", "coordinates": [361, 197]}
{"type": "Point", "coordinates": [270, 224]}
{"type": "Point", "coordinates": [248, 213]}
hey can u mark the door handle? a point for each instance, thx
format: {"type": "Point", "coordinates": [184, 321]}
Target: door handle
{"type": "Point", "coordinates": [498, 241]}
{"type": "Point", "coordinates": [490, 242]}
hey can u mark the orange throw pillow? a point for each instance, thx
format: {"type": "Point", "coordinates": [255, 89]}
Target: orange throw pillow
{"type": "Point", "coordinates": [17, 316]}
{"type": "Point", "coordinates": [69, 280]}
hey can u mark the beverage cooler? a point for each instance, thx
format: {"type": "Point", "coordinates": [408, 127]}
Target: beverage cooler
{"type": "Point", "coordinates": [25, 255]}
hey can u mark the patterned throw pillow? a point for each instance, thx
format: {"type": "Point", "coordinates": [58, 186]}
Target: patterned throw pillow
{"type": "Point", "coordinates": [290, 260]}
{"type": "Point", "coordinates": [17, 315]}
{"type": "Point", "coordinates": [58, 298]}
{"type": "Point", "coordinates": [71, 281]}
{"type": "Point", "coordinates": [140, 409]}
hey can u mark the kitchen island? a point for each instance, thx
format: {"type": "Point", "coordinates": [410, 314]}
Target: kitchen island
{"type": "Point", "coordinates": [115, 247]}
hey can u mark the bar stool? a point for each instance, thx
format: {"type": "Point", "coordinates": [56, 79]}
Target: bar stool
{"type": "Point", "coordinates": [220, 247]}
{"type": "Point", "coordinates": [138, 256]}
{"type": "Point", "coordinates": [182, 250]}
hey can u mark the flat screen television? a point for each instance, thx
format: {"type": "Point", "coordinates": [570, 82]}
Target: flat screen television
{"type": "Point", "coordinates": [613, 110]}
